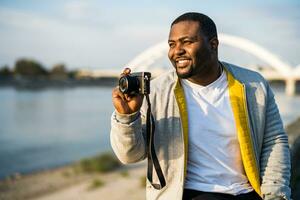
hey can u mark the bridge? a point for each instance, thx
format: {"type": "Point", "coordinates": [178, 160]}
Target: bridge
{"type": "Point", "coordinates": [147, 61]}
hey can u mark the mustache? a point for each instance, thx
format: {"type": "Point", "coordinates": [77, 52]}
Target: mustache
{"type": "Point", "coordinates": [181, 58]}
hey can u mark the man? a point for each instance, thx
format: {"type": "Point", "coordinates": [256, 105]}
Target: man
{"type": "Point", "coordinates": [218, 132]}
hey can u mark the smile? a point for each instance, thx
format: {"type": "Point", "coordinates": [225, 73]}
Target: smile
{"type": "Point", "coordinates": [182, 63]}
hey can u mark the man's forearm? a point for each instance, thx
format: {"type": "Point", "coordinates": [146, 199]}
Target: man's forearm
{"type": "Point", "coordinates": [127, 138]}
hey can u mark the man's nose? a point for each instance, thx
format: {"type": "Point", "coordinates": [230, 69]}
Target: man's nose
{"type": "Point", "coordinates": [179, 50]}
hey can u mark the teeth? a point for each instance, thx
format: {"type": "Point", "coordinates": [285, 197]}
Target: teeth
{"type": "Point", "coordinates": [181, 61]}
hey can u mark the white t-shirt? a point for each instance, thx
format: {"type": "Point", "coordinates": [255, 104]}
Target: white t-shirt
{"type": "Point", "coordinates": [214, 158]}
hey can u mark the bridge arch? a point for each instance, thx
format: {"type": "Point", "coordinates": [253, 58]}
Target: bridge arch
{"type": "Point", "coordinates": [144, 60]}
{"type": "Point", "coordinates": [297, 70]}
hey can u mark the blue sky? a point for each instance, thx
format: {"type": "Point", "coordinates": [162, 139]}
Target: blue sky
{"type": "Point", "coordinates": [108, 34]}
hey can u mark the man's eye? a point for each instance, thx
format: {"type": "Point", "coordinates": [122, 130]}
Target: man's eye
{"type": "Point", "coordinates": [187, 42]}
{"type": "Point", "coordinates": [171, 45]}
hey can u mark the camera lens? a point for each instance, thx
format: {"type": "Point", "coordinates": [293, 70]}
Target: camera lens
{"type": "Point", "coordinates": [123, 84]}
{"type": "Point", "coordinates": [129, 84]}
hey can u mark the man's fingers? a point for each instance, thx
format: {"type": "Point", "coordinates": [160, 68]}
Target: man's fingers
{"type": "Point", "coordinates": [128, 98]}
{"type": "Point", "coordinates": [126, 71]}
{"type": "Point", "coordinates": [117, 94]}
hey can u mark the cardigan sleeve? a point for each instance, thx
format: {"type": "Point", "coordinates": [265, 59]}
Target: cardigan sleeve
{"type": "Point", "coordinates": [275, 156]}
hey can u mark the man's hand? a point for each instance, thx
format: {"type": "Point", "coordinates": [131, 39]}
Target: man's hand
{"type": "Point", "coordinates": [123, 103]}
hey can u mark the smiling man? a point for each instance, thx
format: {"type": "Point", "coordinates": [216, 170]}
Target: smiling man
{"type": "Point", "coordinates": [218, 131]}
{"type": "Point", "coordinates": [193, 55]}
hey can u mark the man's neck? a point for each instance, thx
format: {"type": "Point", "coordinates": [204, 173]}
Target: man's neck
{"type": "Point", "coordinates": [208, 76]}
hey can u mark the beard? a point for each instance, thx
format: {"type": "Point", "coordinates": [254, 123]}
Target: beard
{"type": "Point", "coordinates": [189, 73]}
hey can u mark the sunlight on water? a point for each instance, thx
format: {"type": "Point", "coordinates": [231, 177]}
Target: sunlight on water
{"type": "Point", "coordinates": [43, 129]}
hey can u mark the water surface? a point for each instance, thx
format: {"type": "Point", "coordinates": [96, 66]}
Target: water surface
{"type": "Point", "coordinates": [48, 128]}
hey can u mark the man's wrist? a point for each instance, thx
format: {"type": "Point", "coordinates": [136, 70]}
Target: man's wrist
{"type": "Point", "coordinates": [127, 118]}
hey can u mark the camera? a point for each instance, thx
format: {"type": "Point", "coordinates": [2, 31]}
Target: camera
{"type": "Point", "coordinates": [135, 83]}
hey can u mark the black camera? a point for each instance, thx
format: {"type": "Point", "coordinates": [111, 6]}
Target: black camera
{"type": "Point", "coordinates": [135, 83]}
{"type": "Point", "coordinates": [139, 83]}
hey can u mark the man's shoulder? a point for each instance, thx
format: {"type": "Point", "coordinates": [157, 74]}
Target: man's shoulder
{"type": "Point", "coordinates": [242, 74]}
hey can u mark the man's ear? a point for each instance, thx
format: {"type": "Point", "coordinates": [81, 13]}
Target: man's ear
{"type": "Point", "coordinates": [214, 43]}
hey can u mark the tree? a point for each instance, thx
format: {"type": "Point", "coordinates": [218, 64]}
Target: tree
{"type": "Point", "coordinates": [5, 72]}
{"type": "Point", "coordinates": [29, 68]}
{"type": "Point", "coordinates": [59, 72]}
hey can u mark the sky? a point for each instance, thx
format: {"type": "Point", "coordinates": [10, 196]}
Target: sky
{"type": "Point", "coordinates": [98, 34]}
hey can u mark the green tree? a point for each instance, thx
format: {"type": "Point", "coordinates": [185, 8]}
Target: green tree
{"type": "Point", "coordinates": [29, 68]}
{"type": "Point", "coordinates": [59, 72]}
{"type": "Point", "coordinates": [5, 72]}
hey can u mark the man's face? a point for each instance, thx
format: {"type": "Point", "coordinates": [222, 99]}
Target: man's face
{"type": "Point", "coordinates": [190, 51]}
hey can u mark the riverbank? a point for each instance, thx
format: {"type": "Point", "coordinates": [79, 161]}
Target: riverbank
{"type": "Point", "coordinates": [66, 184]}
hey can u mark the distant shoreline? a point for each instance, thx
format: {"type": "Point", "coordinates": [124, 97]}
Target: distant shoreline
{"type": "Point", "coordinates": [43, 83]}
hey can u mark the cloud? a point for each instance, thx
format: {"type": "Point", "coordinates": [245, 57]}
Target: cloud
{"type": "Point", "coordinates": [107, 34]}
{"type": "Point", "coordinates": [38, 23]}
{"type": "Point", "coordinates": [76, 9]}
{"type": "Point", "coordinates": [52, 40]}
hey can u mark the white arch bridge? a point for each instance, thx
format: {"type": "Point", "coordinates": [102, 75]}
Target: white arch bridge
{"type": "Point", "coordinates": [279, 70]}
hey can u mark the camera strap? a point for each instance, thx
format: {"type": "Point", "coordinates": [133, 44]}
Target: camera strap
{"type": "Point", "coordinates": [151, 155]}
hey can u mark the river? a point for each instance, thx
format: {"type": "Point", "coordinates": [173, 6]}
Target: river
{"type": "Point", "coordinates": [52, 127]}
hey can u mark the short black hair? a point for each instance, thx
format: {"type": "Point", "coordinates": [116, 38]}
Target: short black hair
{"type": "Point", "coordinates": [208, 26]}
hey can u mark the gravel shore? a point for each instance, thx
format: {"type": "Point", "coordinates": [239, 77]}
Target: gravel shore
{"type": "Point", "coordinates": [65, 184]}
